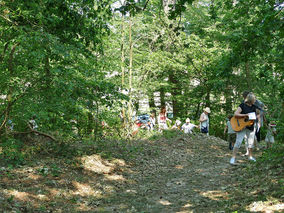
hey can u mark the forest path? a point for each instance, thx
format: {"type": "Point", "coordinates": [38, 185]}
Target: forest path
{"type": "Point", "coordinates": [180, 173]}
{"type": "Point", "coordinates": [189, 173]}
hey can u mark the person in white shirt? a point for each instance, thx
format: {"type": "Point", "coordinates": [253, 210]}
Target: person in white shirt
{"type": "Point", "coordinates": [204, 121]}
{"type": "Point", "coordinates": [152, 121]}
{"type": "Point", "coordinates": [32, 123]}
{"type": "Point", "coordinates": [177, 125]}
{"type": "Point", "coordinates": [187, 127]}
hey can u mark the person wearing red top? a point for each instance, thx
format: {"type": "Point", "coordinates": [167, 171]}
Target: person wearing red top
{"type": "Point", "coordinates": [162, 119]}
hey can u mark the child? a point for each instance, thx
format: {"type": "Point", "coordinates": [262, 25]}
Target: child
{"type": "Point", "coordinates": [177, 125]}
{"type": "Point", "coordinates": [188, 127]}
{"type": "Point", "coordinates": [231, 138]}
{"type": "Point", "coordinates": [32, 123]}
{"type": "Point", "coordinates": [152, 121]}
{"type": "Point", "coordinates": [269, 139]}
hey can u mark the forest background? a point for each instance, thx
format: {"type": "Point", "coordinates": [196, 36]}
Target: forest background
{"type": "Point", "coordinates": [78, 63]}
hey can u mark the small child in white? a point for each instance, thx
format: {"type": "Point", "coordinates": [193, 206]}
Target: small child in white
{"type": "Point", "coordinates": [177, 125]}
{"type": "Point", "coordinates": [187, 127]}
{"type": "Point", "coordinates": [269, 139]}
{"type": "Point", "coordinates": [32, 123]}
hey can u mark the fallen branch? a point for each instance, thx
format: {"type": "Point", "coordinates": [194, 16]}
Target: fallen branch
{"type": "Point", "coordinates": [36, 132]}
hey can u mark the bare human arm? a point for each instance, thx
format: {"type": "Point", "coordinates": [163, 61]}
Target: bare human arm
{"type": "Point", "coordinates": [202, 118]}
{"type": "Point", "coordinates": [238, 113]}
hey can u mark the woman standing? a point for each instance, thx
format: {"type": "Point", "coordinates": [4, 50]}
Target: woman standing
{"type": "Point", "coordinates": [204, 121]}
{"type": "Point", "coordinates": [162, 119]}
{"type": "Point", "coordinates": [243, 111]}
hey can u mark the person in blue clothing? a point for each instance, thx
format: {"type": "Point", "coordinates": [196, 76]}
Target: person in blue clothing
{"type": "Point", "coordinates": [243, 111]}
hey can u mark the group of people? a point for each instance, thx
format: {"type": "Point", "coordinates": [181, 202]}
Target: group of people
{"type": "Point", "coordinates": [187, 127]}
{"type": "Point", "coordinates": [250, 108]}
{"type": "Point", "coordinates": [251, 132]}
{"type": "Point", "coordinates": [32, 124]}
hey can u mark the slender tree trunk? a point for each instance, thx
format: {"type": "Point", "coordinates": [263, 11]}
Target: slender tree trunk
{"type": "Point", "coordinates": [10, 90]}
{"type": "Point", "coordinates": [282, 122]}
{"type": "Point", "coordinates": [197, 112]}
{"type": "Point", "coordinates": [162, 97]}
{"type": "Point", "coordinates": [130, 110]}
{"type": "Point", "coordinates": [176, 92]}
{"type": "Point", "coordinates": [207, 98]}
{"type": "Point", "coordinates": [151, 101]}
{"type": "Point", "coordinates": [229, 100]}
{"type": "Point", "coordinates": [248, 76]}
{"type": "Point", "coordinates": [122, 64]}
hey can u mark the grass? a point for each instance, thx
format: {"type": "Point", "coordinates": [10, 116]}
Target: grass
{"type": "Point", "coordinates": [167, 172]}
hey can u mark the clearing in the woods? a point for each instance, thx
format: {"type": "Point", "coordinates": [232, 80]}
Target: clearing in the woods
{"type": "Point", "coordinates": [184, 173]}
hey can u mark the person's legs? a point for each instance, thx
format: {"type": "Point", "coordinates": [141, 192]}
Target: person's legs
{"type": "Point", "coordinates": [257, 134]}
{"type": "Point", "coordinates": [239, 139]}
{"type": "Point", "coordinates": [246, 145]}
{"type": "Point", "coordinates": [250, 136]}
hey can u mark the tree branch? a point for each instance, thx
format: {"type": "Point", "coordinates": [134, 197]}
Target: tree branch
{"type": "Point", "coordinates": [145, 5]}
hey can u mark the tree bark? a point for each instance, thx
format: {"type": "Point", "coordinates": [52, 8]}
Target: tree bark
{"type": "Point", "coordinates": [10, 89]}
{"type": "Point", "coordinates": [248, 76]}
{"type": "Point", "coordinates": [122, 65]}
{"type": "Point", "coordinates": [176, 93]}
{"type": "Point", "coordinates": [130, 110]}
{"type": "Point", "coordinates": [162, 97]}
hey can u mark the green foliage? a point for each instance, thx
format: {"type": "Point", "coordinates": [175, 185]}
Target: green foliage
{"type": "Point", "coordinates": [273, 155]}
{"type": "Point", "coordinates": [62, 61]}
{"type": "Point", "coordinates": [11, 152]}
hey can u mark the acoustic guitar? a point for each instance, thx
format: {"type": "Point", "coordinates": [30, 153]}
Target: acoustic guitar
{"type": "Point", "coordinates": [238, 124]}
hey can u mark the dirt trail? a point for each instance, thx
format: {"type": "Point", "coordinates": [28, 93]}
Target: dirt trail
{"type": "Point", "coordinates": [183, 174]}
{"type": "Point", "coordinates": [188, 174]}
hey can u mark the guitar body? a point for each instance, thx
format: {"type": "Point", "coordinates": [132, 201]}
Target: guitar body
{"type": "Point", "coordinates": [238, 124]}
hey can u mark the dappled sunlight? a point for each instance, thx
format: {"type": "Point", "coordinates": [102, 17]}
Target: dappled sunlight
{"type": "Point", "coordinates": [179, 166]}
{"type": "Point", "coordinates": [115, 177]}
{"type": "Point", "coordinates": [34, 176]}
{"type": "Point", "coordinates": [132, 191]}
{"type": "Point", "coordinates": [185, 208]}
{"type": "Point", "coordinates": [266, 206]}
{"type": "Point", "coordinates": [215, 195]}
{"type": "Point", "coordinates": [54, 192]}
{"type": "Point", "coordinates": [25, 196]}
{"type": "Point", "coordinates": [96, 164]}
{"type": "Point", "coordinates": [165, 202]}
{"type": "Point", "coordinates": [84, 189]}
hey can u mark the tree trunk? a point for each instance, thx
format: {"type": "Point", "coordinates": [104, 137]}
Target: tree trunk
{"type": "Point", "coordinates": [10, 90]}
{"type": "Point", "coordinates": [248, 76]}
{"type": "Point", "coordinates": [122, 65]}
{"type": "Point", "coordinates": [151, 101]}
{"type": "Point", "coordinates": [162, 97]}
{"type": "Point", "coordinates": [176, 93]}
{"type": "Point", "coordinates": [130, 110]}
{"type": "Point", "coordinates": [229, 100]}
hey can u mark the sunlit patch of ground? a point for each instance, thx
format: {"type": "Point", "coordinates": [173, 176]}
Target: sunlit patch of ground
{"type": "Point", "coordinates": [215, 195]}
{"type": "Point", "coordinates": [176, 175]}
{"type": "Point", "coordinates": [267, 207]}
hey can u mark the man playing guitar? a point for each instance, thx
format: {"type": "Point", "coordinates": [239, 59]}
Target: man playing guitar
{"type": "Point", "coordinates": [244, 111]}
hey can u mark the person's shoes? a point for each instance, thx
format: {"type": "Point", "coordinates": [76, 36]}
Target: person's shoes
{"type": "Point", "coordinates": [233, 161]}
{"type": "Point", "coordinates": [252, 159]}
{"type": "Point", "coordinates": [245, 154]}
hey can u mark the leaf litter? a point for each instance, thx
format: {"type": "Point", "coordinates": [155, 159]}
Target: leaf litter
{"type": "Point", "coordinates": [185, 173]}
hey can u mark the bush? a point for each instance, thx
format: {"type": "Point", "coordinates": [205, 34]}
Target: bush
{"type": "Point", "coordinates": [10, 151]}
